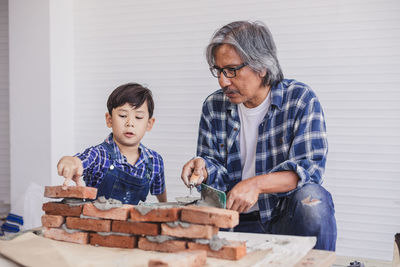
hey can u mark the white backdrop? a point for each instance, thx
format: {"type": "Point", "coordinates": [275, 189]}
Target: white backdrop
{"type": "Point", "coordinates": [347, 51]}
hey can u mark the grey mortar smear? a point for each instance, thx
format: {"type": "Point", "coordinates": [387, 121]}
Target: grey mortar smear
{"type": "Point", "coordinates": [102, 203]}
{"type": "Point", "coordinates": [70, 231]}
{"type": "Point", "coordinates": [144, 208]}
{"type": "Point", "coordinates": [112, 233]}
{"type": "Point", "coordinates": [215, 243]}
{"type": "Point", "coordinates": [73, 201]}
{"type": "Point", "coordinates": [88, 217]}
{"type": "Point", "coordinates": [160, 238]}
{"type": "Point", "coordinates": [178, 223]}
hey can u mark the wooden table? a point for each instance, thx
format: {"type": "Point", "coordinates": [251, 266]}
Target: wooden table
{"type": "Point", "coordinates": [32, 250]}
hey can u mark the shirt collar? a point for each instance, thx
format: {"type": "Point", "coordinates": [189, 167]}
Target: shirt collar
{"type": "Point", "coordinates": [144, 152]}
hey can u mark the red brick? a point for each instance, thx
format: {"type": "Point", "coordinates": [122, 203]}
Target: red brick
{"type": "Point", "coordinates": [234, 251]}
{"type": "Point", "coordinates": [88, 224]}
{"type": "Point", "coordinates": [57, 208]}
{"type": "Point", "coordinates": [113, 241]}
{"type": "Point", "coordinates": [61, 235]}
{"type": "Point", "coordinates": [156, 215]}
{"type": "Point", "coordinates": [209, 215]}
{"type": "Point", "coordinates": [167, 246]}
{"type": "Point", "coordinates": [52, 220]}
{"type": "Point", "coordinates": [193, 258]}
{"type": "Point", "coordinates": [71, 191]}
{"type": "Point", "coordinates": [136, 228]}
{"type": "Point", "coordinates": [120, 213]}
{"type": "Point", "coordinates": [193, 231]}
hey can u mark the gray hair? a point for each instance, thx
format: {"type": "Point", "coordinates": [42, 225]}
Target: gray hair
{"type": "Point", "coordinates": [254, 43]}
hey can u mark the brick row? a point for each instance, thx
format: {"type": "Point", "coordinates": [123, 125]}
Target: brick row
{"type": "Point", "coordinates": [82, 192]}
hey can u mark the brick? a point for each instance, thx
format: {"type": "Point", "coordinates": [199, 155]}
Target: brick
{"type": "Point", "coordinates": [88, 224]}
{"type": "Point", "coordinates": [193, 258]}
{"type": "Point", "coordinates": [136, 228]}
{"type": "Point", "coordinates": [52, 220]}
{"type": "Point", "coordinates": [156, 215]}
{"type": "Point", "coordinates": [121, 213]}
{"type": "Point", "coordinates": [113, 241]}
{"type": "Point", "coordinates": [61, 235]}
{"type": "Point", "coordinates": [193, 231]}
{"type": "Point", "coordinates": [57, 208]}
{"type": "Point", "coordinates": [234, 251]}
{"type": "Point", "coordinates": [167, 246]}
{"type": "Point", "coordinates": [83, 192]}
{"type": "Point", "coordinates": [209, 215]}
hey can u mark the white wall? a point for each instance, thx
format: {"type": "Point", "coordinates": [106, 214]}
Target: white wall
{"type": "Point", "coordinates": [346, 50]}
{"type": "Point", "coordinates": [41, 99]}
{"type": "Point", "coordinates": [4, 109]}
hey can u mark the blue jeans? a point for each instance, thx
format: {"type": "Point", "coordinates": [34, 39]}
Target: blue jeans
{"type": "Point", "coordinates": [309, 211]}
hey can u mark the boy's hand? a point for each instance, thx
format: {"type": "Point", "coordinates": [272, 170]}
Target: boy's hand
{"type": "Point", "coordinates": [71, 168]}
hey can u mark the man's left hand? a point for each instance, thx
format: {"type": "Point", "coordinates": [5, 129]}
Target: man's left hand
{"type": "Point", "coordinates": [243, 195]}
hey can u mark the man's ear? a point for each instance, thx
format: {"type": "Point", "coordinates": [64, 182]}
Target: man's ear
{"type": "Point", "coordinates": [108, 120]}
{"type": "Point", "coordinates": [150, 124]}
{"type": "Point", "coordinates": [263, 73]}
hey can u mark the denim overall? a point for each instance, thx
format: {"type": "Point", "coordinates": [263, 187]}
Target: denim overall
{"type": "Point", "coordinates": [118, 184]}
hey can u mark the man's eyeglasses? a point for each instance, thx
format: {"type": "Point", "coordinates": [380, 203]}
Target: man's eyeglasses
{"type": "Point", "coordinates": [228, 71]}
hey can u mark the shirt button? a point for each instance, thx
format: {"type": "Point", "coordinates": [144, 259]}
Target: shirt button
{"type": "Point", "coordinates": [111, 167]}
{"type": "Point", "coordinates": [235, 129]}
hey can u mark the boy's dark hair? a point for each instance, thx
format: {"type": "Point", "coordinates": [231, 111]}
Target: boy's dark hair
{"type": "Point", "coordinates": [132, 93]}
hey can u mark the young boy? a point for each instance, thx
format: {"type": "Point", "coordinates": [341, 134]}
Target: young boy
{"type": "Point", "coordinates": [121, 167]}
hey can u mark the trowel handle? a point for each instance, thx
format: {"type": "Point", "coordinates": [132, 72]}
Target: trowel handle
{"type": "Point", "coordinates": [193, 179]}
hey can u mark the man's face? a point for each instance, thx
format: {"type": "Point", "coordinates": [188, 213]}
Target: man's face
{"type": "Point", "coordinates": [129, 124]}
{"type": "Point", "coordinates": [247, 86]}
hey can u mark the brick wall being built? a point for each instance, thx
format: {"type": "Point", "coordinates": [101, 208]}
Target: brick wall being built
{"type": "Point", "coordinates": [165, 227]}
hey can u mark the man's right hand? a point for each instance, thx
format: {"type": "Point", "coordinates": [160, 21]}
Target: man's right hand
{"type": "Point", "coordinates": [194, 171]}
{"type": "Point", "coordinates": [71, 169]}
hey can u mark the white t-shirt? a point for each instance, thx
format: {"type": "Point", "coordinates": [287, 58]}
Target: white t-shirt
{"type": "Point", "coordinates": [250, 119]}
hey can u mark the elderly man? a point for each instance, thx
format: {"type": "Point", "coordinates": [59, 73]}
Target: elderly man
{"type": "Point", "coordinates": [262, 139]}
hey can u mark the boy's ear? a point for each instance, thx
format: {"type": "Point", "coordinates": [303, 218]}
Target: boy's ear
{"type": "Point", "coordinates": [150, 124]}
{"type": "Point", "coordinates": [108, 120]}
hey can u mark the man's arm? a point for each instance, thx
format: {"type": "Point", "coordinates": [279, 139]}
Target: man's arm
{"type": "Point", "coordinates": [305, 164]}
{"type": "Point", "coordinates": [210, 165]}
{"type": "Point", "coordinates": [245, 194]}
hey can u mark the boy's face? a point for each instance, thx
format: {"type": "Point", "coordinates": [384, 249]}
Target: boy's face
{"type": "Point", "coordinates": [129, 124]}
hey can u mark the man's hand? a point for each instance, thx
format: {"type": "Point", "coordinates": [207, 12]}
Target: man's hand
{"type": "Point", "coordinates": [243, 195]}
{"type": "Point", "coordinates": [194, 171]}
{"type": "Point", "coordinates": [71, 169]}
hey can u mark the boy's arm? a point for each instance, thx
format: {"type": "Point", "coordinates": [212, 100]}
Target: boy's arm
{"type": "Point", "coordinates": [163, 196]}
{"type": "Point", "coordinates": [70, 168]}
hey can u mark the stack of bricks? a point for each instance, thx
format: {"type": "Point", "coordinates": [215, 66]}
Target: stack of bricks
{"type": "Point", "coordinates": [176, 228]}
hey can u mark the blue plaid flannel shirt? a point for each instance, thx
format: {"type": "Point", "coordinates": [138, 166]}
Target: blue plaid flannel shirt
{"type": "Point", "coordinates": [291, 137]}
{"type": "Point", "coordinates": [95, 163]}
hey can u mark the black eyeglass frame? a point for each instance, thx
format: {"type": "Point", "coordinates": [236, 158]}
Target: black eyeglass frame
{"type": "Point", "coordinates": [222, 70]}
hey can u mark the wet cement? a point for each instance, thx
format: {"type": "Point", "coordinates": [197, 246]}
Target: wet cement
{"type": "Point", "coordinates": [73, 201]}
{"type": "Point", "coordinates": [102, 203]}
{"type": "Point", "coordinates": [160, 238]}
{"type": "Point", "coordinates": [178, 223]}
{"type": "Point", "coordinates": [145, 208]}
{"type": "Point", "coordinates": [215, 243]}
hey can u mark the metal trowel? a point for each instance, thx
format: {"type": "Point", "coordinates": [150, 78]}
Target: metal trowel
{"type": "Point", "coordinates": [209, 196]}
{"type": "Point", "coordinates": [212, 197]}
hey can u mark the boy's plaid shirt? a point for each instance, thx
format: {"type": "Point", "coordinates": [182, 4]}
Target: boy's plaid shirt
{"type": "Point", "coordinates": [291, 137]}
{"type": "Point", "coordinates": [96, 162]}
